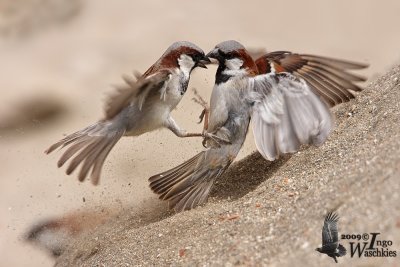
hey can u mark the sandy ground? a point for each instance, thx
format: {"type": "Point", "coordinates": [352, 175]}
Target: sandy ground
{"type": "Point", "coordinates": [73, 58]}
{"type": "Point", "coordinates": [271, 213]}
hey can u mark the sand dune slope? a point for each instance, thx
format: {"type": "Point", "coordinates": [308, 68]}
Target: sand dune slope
{"type": "Point", "coordinates": [272, 212]}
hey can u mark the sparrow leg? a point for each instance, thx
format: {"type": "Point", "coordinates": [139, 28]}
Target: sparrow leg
{"type": "Point", "coordinates": [173, 126]}
{"type": "Point", "coordinates": [206, 109]}
{"type": "Point", "coordinates": [205, 115]}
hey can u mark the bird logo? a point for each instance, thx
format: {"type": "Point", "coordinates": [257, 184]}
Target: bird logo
{"type": "Point", "coordinates": [330, 239]}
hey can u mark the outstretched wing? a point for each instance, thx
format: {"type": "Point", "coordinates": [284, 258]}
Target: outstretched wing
{"type": "Point", "coordinates": [286, 114]}
{"type": "Point", "coordinates": [139, 89]}
{"type": "Point", "coordinates": [330, 232]}
{"type": "Point", "coordinates": [329, 78]}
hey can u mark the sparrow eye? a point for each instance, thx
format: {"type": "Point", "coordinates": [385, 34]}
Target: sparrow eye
{"type": "Point", "coordinates": [230, 55]}
{"type": "Point", "coordinates": [222, 53]}
{"type": "Point", "coordinates": [195, 57]}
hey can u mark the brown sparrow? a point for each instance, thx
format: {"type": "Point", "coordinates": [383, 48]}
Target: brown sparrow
{"type": "Point", "coordinates": [138, 107]}
{"type": "Point", "coordinates": [284, 97]}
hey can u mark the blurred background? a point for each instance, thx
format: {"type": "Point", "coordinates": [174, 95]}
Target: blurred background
{"type": "Point", "coordinates": [59, 58]}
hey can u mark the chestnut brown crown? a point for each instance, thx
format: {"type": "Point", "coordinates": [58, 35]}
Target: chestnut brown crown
{"type": "Point", "coordinates": [170, 57]}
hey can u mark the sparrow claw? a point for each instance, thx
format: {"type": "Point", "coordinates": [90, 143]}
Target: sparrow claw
{"type": "Point", "coordinates": [205, 112]}
{"type": "Point", "coordinates": [204, 142]}
{"type": "Point", "coordinates": [201, 117]}
{"type": "Point", "coordinates": [199, 100]}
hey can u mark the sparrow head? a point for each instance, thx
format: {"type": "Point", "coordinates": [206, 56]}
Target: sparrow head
{"type": "Point", "coordinates": [184, 55]}
{"type": "Point", "coordinates": [233, 56]}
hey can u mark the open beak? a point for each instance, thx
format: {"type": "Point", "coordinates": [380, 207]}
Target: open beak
{"type": "Point", "coordinates": [203, 62]}
{"type": "Point", "coordinates": [213, 54]}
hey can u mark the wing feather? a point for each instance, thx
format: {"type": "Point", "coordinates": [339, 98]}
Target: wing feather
{"type": "Point", "coordinates": [139, 89]}
{"type": "Point", "coordinates": [286, 114]}
{"type": "Point", "coordinates": [329, 78]}
{"type": "Point", "coordinates": [330, 230]}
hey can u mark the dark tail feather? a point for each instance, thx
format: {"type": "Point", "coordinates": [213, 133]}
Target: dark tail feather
{"type": "Point", "coordinates": [342, 250]}
{"type": "Point", "coordinates": [188, 185]}
{"type": "Point", "coordinates": [162, 183]}
{"type": "Point", "coordinates": [91, 147]}
{"type": "Point", "coordinates": [192, 197]}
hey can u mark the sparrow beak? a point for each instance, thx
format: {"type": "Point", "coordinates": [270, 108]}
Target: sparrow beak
{"type": "Point", "coordinates": [203, 62]}
{"type": "Point", "coordinates": [213, 53]}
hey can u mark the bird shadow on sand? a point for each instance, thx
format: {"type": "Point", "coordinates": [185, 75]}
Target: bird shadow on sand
{"type": "Point", "coordinates": [245, 176]}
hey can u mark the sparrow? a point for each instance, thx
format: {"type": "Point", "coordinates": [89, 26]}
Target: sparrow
{"type": "Point", "coordinates": [284, 97]}
{"type": "Point", "coordinates": [137, 107]}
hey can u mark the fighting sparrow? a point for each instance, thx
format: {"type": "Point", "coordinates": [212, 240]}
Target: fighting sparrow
{"type": "Point", "coordinates": [287, 110]}
{"type": "Point", "coordinates": [140, 106]}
